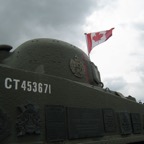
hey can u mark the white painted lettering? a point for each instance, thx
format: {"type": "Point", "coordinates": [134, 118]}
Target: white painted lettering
{"type": "Point", "coordinates": [49, 89]}
{"type": "Point", "coordinates": [28, 86]}
{"type": "Point", "coordinates": [8, 84]}
{"type": "Point", "coordinates": [16, 81]}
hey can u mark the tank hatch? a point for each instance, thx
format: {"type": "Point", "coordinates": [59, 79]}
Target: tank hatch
{"type": "Point", "coordinates": [4, 51]}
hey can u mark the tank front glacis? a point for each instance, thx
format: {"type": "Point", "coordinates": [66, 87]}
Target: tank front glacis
{"type": "Point", "coordinates": [51, 92]}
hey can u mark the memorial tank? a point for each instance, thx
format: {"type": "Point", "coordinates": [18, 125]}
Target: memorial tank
{"type": "Point", "coordinates": [50, 92]}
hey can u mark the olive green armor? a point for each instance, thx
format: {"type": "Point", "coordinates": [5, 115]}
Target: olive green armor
{"type": "Point", "coordinates": [50, 92]}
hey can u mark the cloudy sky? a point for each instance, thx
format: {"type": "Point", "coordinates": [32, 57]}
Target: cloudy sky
{"type": "Point", "coordinates": [120, 59]}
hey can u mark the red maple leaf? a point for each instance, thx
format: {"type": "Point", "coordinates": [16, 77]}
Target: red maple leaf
{"type": "Point", "coordinates": [97, 36]}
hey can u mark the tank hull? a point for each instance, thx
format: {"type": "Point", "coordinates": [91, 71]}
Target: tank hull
{"type": "Point", "coordinates": [38, 108]}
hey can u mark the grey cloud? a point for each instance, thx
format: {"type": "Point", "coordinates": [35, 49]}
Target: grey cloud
{"type": "Point", "coordinates": [116, 83]}
{"type": "Point", "coordinates": [22, 20]}
{"type": "Point", "coordinates": [120, 85]}
{"type": "Point", "coordinates": [138, 26]}
{"type": "Point", "coordinates": [140, 71]}
{"type": "Point", "coordinates": [140, 39]}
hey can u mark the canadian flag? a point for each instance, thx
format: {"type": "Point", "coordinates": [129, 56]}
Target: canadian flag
{"type": "Point", "coordinates": [95, 38]}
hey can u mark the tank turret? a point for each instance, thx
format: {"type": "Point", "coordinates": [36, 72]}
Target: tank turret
{"type": "Point", "coordinates": [54, 57]}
